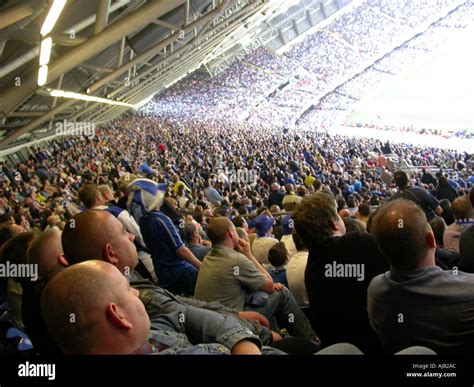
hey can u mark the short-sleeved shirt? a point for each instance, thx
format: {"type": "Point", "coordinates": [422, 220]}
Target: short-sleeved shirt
{"type": "Point", "coordinates": [227, 276]}
{"type": "Point", "coordinates": [260, 248]}
{"type": "Point", "coordinates": [162, 240]}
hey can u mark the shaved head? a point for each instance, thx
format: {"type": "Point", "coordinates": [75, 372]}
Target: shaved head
{"type": "Point", "coordinates": [85, 234]}
{"type": "Point", "coordinates": [76, 306]}
{"type": "Point", "coordinates": [71, 312]}
{"type": "Point", "coordinates": [45, 251]}
{"type": "Point", "coordinates": [96, 234]}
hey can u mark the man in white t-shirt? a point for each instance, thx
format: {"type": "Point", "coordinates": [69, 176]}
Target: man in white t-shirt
{"type": "Point", "coordinates": [295, 271]}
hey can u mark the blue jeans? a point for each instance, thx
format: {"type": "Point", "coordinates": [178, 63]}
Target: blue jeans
{"type": "Point", "coordinates": [282, 311]}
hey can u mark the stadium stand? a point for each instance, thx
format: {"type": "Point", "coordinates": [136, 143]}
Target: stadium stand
{"type": "Point", "coordinates": [154, 192]}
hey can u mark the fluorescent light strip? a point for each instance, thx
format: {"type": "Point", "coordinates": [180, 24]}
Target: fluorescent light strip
{"type": "Point", "coordinates": [85, 97]}
{"type": "Point", "coordinates": [42, 75]}
{"type": "Point", "coordinates": [45, 51]}
{"type": "Point", "coordinates": [52, 17]}
{"type": "Point", "coordinates": [143, 101]}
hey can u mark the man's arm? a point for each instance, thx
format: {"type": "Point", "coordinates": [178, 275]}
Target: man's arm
{"type": "Point", "coordinates": [204, 326]}
{"type": "Point", "coordinates": [245, 347]}
{"type": "Point", "coordinates": [429, 201]}
{"type": "Point", "coordinates": [159, 301]}
{"type": "Point", "coordinates": [244, 248]}
{"type": "Point", "coordinates": [184, 253]}
{"type": "Point", "coordinates": [219, 308]}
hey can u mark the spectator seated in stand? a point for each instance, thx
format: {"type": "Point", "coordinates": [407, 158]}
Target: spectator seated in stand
{"type": "Point", "coordinates": [231, 275]}
{"type": "Point", "coordinates": [264, 240]}
{"type": "Point", "coordinates": [278, 256]}
{"type": "Point", "coordinates": [117, 323]}
{"type": "Point", "coordinates": [417, 303]}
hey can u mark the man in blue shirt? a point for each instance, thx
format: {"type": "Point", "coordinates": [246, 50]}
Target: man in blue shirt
{"type": "Point", "coordinates": [176, 267]}
{"type": "Point", "coordinates": [212, 195]}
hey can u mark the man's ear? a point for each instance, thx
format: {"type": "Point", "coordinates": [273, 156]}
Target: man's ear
{"type": "Point", "coordinates": [62, 260]}
{"type": "Point", "coordinates": [109, 254]}
{"type": "Point", "coordinates": [117, 317]}
{"type": "Point", "coordinates": [431, 240]}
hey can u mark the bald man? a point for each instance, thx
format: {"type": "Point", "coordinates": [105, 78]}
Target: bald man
{"type": "Point", "coordinates": [231, 275]}
{"type": "Point", "coordinates": [116, 323]}
{"type": "Point", "coordinates": [99, 235]}
{"type": "Point", "coordinates": [46, 252]}
{"type": "Point", "coordinates": [416, 302]}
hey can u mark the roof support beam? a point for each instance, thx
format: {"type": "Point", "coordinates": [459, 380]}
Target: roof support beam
{"type": "Point", "coordinates": [25, 114]}
{"type": "Point", "coordinates": [16, 13]}
{"type": "Point", "coordinates": [242, 13]}
{"type": "Point", "coordinates": [98, 69]}
{"type": "Point", "coordinates": [235, 19]}
{"type": "Point", "coordinates": [152, 51]}
{"type": "Point", "coordinates": [34, 37]}
{"type": "Point", "coordinates": [34, 52]}
{"type": "Point", "coordinates": [186, 13]}
{"type": "Point", "coordinates": [120, 53]}
{"type": "Point", "coordinates": [14, 96]}
{"type": "Point", "coordinates": [102, 16]}
{"type": "Point", "coordinates": [170, 26]}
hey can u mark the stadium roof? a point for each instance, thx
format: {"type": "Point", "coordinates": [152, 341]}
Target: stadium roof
{"type": "Point", "coordinates": [121, 50]}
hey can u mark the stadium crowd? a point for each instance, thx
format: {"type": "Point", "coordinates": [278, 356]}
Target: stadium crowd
{"type": "Point", "coordinates": [204, 232]}
{"type": "Point", "coordinates": [213, 182]}
{"type": "Point", "coordinates": [300, 88]}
